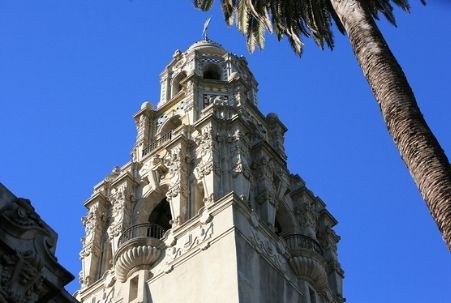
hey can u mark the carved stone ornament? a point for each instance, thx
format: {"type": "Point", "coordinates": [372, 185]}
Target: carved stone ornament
{"type": "Point", "coordinates": [205, 216]}
{"type": "Point", "coordinates": [92, 221]}
{"type": "Point", "coordinates": [89, 249]}
{"type": "Point", "coordinates": [170, 239]}
{"type": "Point", "coordinates": [22, 214]}
{"type": "Point", "coordinates": [310, 268]}
{"type": "Point", "coordinates": [167, 268]}
{"type": "Point", "coordinates": [135, 256]}
{"type": "Point", "coordinates": [266, 248]}
{"type": "Point", "coordinates": [307, 218]}
{"type": "Point", "coordinates": [221, 100]}
{"type": "Point", "coordinates": [254, 219]}
{"type": "Point", "coordinates": [20, 277]}
{"type": "Point", "coordinates": [120, 199]}
{"type": "Point", "coordinates": [209, 200]}
{"type": "Point", "coordinates": [197, 237]}
{"type": "Point", "coordinates": [140, 129]}
{"type": "Point", "coordinates": [329, 241]}
{"type": "Point", "coordinates": [240, 154]}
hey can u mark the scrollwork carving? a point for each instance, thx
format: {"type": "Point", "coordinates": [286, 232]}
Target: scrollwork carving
{"type": "Point", "coordinates": [267, 248]}
{"type": "Point", "coordinates": [198, 237]}
{"type": "Point", "coordinates": [22, 214]}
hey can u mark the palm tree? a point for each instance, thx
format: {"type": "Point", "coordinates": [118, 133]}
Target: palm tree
{"type": "Point", "coordinates": [296, 19]}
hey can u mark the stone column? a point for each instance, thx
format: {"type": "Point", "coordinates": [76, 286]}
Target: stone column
{"type": "Point", "coordinates": [94, 223]}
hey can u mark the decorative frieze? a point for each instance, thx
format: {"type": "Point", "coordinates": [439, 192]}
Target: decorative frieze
{"type": "Point", "coordinates": [196, 238]}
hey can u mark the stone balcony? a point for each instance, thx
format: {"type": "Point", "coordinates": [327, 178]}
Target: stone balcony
{"type": "Point", "coordinates": [297, 244]}
{"type": "Point", "coordinates": [306, 260]}
{"type": "Point", "coordinates": [138, 247]}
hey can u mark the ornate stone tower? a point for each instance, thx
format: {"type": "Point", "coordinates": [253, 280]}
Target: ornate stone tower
{"type": "Point", "coordinates": [206, 210]}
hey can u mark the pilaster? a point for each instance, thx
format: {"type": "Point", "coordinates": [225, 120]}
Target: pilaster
{"type": "Point", "coordinates": [95, 222]}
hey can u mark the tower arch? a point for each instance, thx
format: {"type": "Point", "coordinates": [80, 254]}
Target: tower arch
{"type": "Point", "coordinates": [176, 83]}
{"type": "Point", "coordinates": [161, 215]}
{"type": "Point", "coordinates": [170, 124]}
{"type": "Point", "coordinates": [285, 222]}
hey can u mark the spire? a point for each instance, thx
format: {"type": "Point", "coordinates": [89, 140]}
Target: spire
{"type": "Point", "coordinates": [205, 31]}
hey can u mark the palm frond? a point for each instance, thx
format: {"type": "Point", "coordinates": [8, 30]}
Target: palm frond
{"type": "Point", "coordinates": [294, 19]}
{"type": "Point", "coordinates": [204, 5]}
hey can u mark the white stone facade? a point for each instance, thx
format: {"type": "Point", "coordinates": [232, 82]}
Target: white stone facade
{"type": "Point", "coordinates": [207, 210]}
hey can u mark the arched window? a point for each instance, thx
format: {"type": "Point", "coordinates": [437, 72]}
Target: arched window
{"type": "Point", "coordinates": [176, 86]}
{"type": "Point", "coordinates": [161, 215]}
{"type": "Point", "coordinates": [170, 125]}
{"type": "Point", "coordinates": [212, 72]}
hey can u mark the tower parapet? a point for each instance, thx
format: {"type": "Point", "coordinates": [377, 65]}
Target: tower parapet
{"type": "Point", "coordinates": [207, 202]}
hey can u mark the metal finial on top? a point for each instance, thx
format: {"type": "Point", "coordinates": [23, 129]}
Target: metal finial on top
{"type": "Point", "coordinates": [205, 31]}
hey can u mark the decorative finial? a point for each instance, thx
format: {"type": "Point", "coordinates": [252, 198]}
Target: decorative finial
{"type": "Point", "coordinates": [205, 31]}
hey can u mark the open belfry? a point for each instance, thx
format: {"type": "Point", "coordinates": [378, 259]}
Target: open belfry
{"type": "Point", "coordinates": [207, 210]}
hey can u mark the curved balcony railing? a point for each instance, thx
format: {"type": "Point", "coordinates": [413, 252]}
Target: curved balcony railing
{"type": "Point", "coordinates": [139, 245]}
{"type": "Point", "coordinates": [146, 230]}
{"type": "Point", "coordinates": [296, 242]}
{"type": "Point", "coordinates": [157, 143]}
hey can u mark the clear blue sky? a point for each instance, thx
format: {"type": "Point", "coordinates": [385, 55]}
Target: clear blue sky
{"type": "Point", "coordinates": [73, 73]}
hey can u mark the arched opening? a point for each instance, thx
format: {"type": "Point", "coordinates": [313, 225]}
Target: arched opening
{"type": "Point", "coordinates": [161, 215]}
{"type": "Point", "coordinates": [284, 223]}
{"type": "Point", "coordinates": [170, 125]}
{"type": "Point", "coordinates": [177, 86]}
{"type": "Point", "coordinates": [212, 72]}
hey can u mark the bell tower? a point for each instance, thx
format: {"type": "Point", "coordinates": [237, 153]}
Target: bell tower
{"type": "Point", "coordinates": [207, 210]}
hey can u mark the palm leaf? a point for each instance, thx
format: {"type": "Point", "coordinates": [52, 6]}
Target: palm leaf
{"type": "Point", "coordinates": [294, 19]}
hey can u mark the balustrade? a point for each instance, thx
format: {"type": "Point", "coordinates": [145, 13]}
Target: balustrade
{"type": "Point", "coordinates": [147, 230]}
{"type": "Point", "coordinates": [157, 143]}
{"type": "Point", "coordinates": [295, 242]}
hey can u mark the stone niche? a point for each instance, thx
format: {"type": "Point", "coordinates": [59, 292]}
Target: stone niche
{"type": "Point", "coordinates": [29, 269]}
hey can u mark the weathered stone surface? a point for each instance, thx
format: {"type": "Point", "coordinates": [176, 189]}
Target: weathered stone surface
{"type": "Point", "coordinates": [29, 270]}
